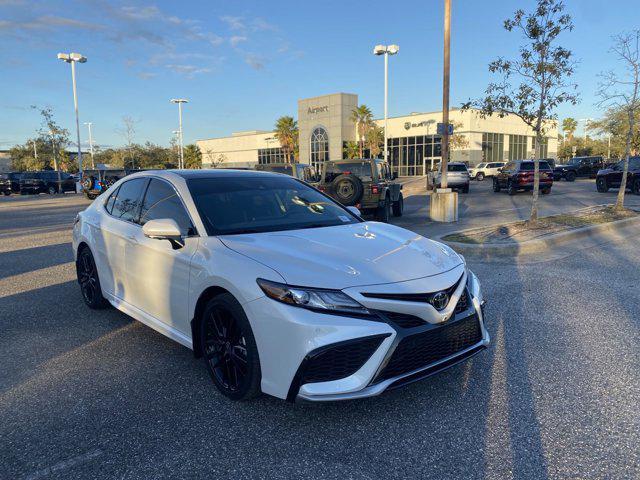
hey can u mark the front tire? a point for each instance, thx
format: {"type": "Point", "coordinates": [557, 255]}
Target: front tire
{"type": "Point", "coordinates": [89, 282]}
{"type": "Point", "coordinates": [511, 189]}
{"type": "Point", "coordinates": [570, 177]}
{"type": "Point", "coordinates": [480, 177]}
{"type": "Point", "coordinates": [601, 185]}
{"type": "Point", "coordinates": [52, 190]}
{"type": "Point", "coordinates": [398, 207]}
{"type": "Point", "coordinates": [229, 348]}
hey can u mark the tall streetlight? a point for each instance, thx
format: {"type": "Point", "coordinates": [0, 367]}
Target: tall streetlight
{"type": "Point", "coordinates": [180, 101]}
{"type": "Point", "coordinates": [88, 124]}
{"type": "Point", "coordinates": [445, 93]}
{"type": "Point", "coordinates": [74, 58]}
{"type": "Point", "coordinates": [386, 50]}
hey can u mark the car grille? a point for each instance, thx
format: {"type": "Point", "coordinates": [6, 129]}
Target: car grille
{"type": "Point", "coordinates": [422, 349]}
{"type": "Point", "coordinates": [340, 360]}
{"type": "Point", "coordinates": [404, 320]}
{"type": "Point", "coordinates": [412, 297]}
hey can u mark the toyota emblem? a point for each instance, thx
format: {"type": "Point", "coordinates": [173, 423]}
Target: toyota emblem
{"type": "Point", "coordinates": [440, 300]}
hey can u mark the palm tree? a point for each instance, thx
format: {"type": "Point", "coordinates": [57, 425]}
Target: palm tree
{"type": "Point", "coordinates": [375, 139]}
{"type": "Point", "coordinates": [351, 150]}
{"type": "Point", "coordinates": [363, 118]}
{"type": "Point", "coordinates": [569, 126]}
{"type": "Point", "coordinates": [286, 132]}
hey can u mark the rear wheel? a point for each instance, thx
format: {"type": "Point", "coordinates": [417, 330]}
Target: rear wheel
{"type": "Point", "coordinates": [511, 188]}
{"type": "Point", "coordinates": [229, 348]}
{"type": "Point", "coordinates": [496, 185]}
{"type": "Point", "coordinates": [480, 176]}
{"type": "Point", "coordinates": [89, 281]}
{"type": "Point", "coordinates": [52, 190]}
{"type": "Point", "coordinates": [7, 193]}
{"type": "Point", "coordinates": [570, 176]}
{"type": "Point", "coordinates": [601, 185]}
{"type": "Point", "coordinates": [384, 211]}
{"type": "Point", "coordinates": [398, 206]}
{"type": "Point", "coordinates": [546, 190]}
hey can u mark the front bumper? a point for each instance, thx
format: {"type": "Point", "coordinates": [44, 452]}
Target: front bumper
{"type": "Point", "coordinates": [290, 339]}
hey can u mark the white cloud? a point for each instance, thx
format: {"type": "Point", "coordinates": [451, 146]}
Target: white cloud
{"type": "Point", "coordinates": [236, 39]}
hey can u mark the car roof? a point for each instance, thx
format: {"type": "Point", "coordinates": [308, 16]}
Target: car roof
{"type": "Point", "coordinates": [209, 173]}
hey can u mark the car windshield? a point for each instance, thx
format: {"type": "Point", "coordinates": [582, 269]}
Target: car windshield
{"type": "Point", "coordinates": [360, 169]}
{"type": "Point", "coordinates": [481, 165]}
{"type": "Point", "coordinates": [574, 161]}
{"type": "Point", "coordinates": [283, 169]}
{"type": "Point", "coordinates": [456, 168]}
{"type": "Point", "coordinates": [236, 205]}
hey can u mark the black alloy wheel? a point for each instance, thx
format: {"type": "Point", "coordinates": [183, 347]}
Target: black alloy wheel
{"type": "Point", "coordinates": [52, 190]}
{"type": "Point", "coordinates": [496, 185]}
{"type": "Point", "coordinates": [511, 189]}
{"type": "Point", "coordinates": [601, 185]}
{"type": "Point", "coordinates": [89, 281]}
{"type": "Point", "coordinates": [480, 177]}
{"type": "Point", "coordinates": [570, 177]}
{"type": "Point", "coordinates": [398, 207]}
{"type": "Point", "coordinates": [229, 348]}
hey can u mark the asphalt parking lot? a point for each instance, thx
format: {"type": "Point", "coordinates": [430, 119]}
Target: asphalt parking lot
{"type": "Point", "coordinates": [87, 394]}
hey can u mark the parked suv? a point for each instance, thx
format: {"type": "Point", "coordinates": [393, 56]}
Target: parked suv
{"type": "Point", "coordinates": [482, 170]}
{"type": "Point", "coordinates": [46, 181]}
{"type": "Point", "coordinates": [612, 177]}
{"type": "Point", "coordinates": [578, 167]}
{"type": "Point", "coordinates": [457, 177]}
{"type": "Point", "coordinates": [518, 175]}
{"type": "Point", "coordinates": [301, 171]}
{"type": "Point", "coordinates": [365, 184]}
{"type": "Point", "coordinates": [96, 181]}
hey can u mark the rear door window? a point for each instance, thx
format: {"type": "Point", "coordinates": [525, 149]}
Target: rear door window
{"type": "Point", "coordinates": [127, 202]}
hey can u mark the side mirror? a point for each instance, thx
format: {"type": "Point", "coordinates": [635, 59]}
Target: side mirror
{"type": "Point", "coordinates": [164, 229]}
{"type": "Point", "coordinates": [355, 211]}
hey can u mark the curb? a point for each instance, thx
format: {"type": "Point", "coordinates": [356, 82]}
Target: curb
{"type": "Point", "coordinates": [538, 245]}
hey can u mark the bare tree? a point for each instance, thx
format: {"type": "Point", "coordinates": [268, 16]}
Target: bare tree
{"type": "Point", "coordinates": [128, 132]}
{"type": "Point", "coordinates": [213, 159]}
{"type": "Point", "coordinates": [621, 91]}
{"type": "Point", "coordinates": [542, 69]}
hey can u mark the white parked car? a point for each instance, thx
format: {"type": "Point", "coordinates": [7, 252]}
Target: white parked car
{"type": "Point", "coordinates": [482, 170]}
{"type": "Point", "coordinates": [279, 288]}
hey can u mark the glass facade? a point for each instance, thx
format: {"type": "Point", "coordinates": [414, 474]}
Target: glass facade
{"type": "Point", "coordinates": [319, 147]}
{"type": "Point", "coordinates": [270, 155]}
{"type": "Point", "coordinates": [517, 147]}
{"type": "Point", "coordinates": [409, 156]}
{"type": "Point", "coordinates": [492, 147]}
{"type": "Point", "coordinates": [544, 146]}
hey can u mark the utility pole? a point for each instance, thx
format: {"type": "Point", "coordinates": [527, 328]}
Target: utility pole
{"type": "Point", "coordinates": [35, 150]}
{"type": "Point", "coordinates": [445, 93]}
{"type": "Point", "coordinates": [88, 124]}
{"type": "Point", "coordinates": [386, 50]}
{"type": "Point", "coordinates": [180, 101]}
{"type": "Point", "coordinates": [55, 157]}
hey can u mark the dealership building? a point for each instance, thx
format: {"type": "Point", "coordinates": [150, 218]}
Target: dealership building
{"type": "Point", "coordinates": [325, 127]}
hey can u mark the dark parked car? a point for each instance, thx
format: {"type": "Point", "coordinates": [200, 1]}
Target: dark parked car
{"type": "Point", "coordinates": [366, 184]}
{"type": "Point", "coordinates": [14, 179]}
{"type": "Point", "coordinates": [5, 184]}
{"type": "Point", "coordinates": [612, 177]}
{"type": "Point", "coordinates": [578, 167]}
{"type": "Point", "coordinates": [96, 181]}
{"type": "Point", "coordinates": [518, 175]}
{"type": "Point", "coordinates": [47, 181]}
{"type": "Point", "coordinates": [301, 171]}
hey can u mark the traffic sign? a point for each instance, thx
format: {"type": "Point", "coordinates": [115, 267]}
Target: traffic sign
{"type": "Point", "coordinates": [440, 129]}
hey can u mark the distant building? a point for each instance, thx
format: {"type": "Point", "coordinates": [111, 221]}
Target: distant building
{"type": "Point", "coordinates": [325, 127]}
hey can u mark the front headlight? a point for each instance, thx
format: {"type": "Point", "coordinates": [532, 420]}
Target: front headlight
{"type": "Point", "coordinates": [318, 299]}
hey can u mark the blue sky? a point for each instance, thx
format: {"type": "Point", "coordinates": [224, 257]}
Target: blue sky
{"type": "Point", "coordinates": [242, 64]}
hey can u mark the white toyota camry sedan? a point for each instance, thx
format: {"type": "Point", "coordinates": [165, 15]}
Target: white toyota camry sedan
{"type": "Point", "coordinates": [277, 287]}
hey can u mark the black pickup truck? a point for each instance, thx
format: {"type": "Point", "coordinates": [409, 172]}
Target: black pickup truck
{"type": "Point", "coordinates": [578, 167]}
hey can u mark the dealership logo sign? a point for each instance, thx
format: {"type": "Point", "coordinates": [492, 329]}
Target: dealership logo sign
{"type": "Point", "coordinates": [424, 123]}
{"type": "Point", "coordinates": [313, 110]}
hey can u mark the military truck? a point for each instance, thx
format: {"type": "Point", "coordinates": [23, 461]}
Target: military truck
{"type": "Point", "coordinates": [366, 184]}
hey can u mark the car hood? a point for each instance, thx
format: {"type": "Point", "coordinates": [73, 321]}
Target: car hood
{"type": "Point", "coordinates": [346, 255]}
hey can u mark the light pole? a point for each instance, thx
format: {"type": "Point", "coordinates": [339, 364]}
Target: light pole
{"type": "Point", "coordinates": [445, 93]}
{"type": "Point", "coordinates": [88, 124]}
{"type": "Point", "coordinates": [55, 158]}
{"type": "Point", "coordinates": [73, 58]}
{"type": "Point", "coordinates": [386, 50]}
{"type": "Point", "coordinates": [180, 101]}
